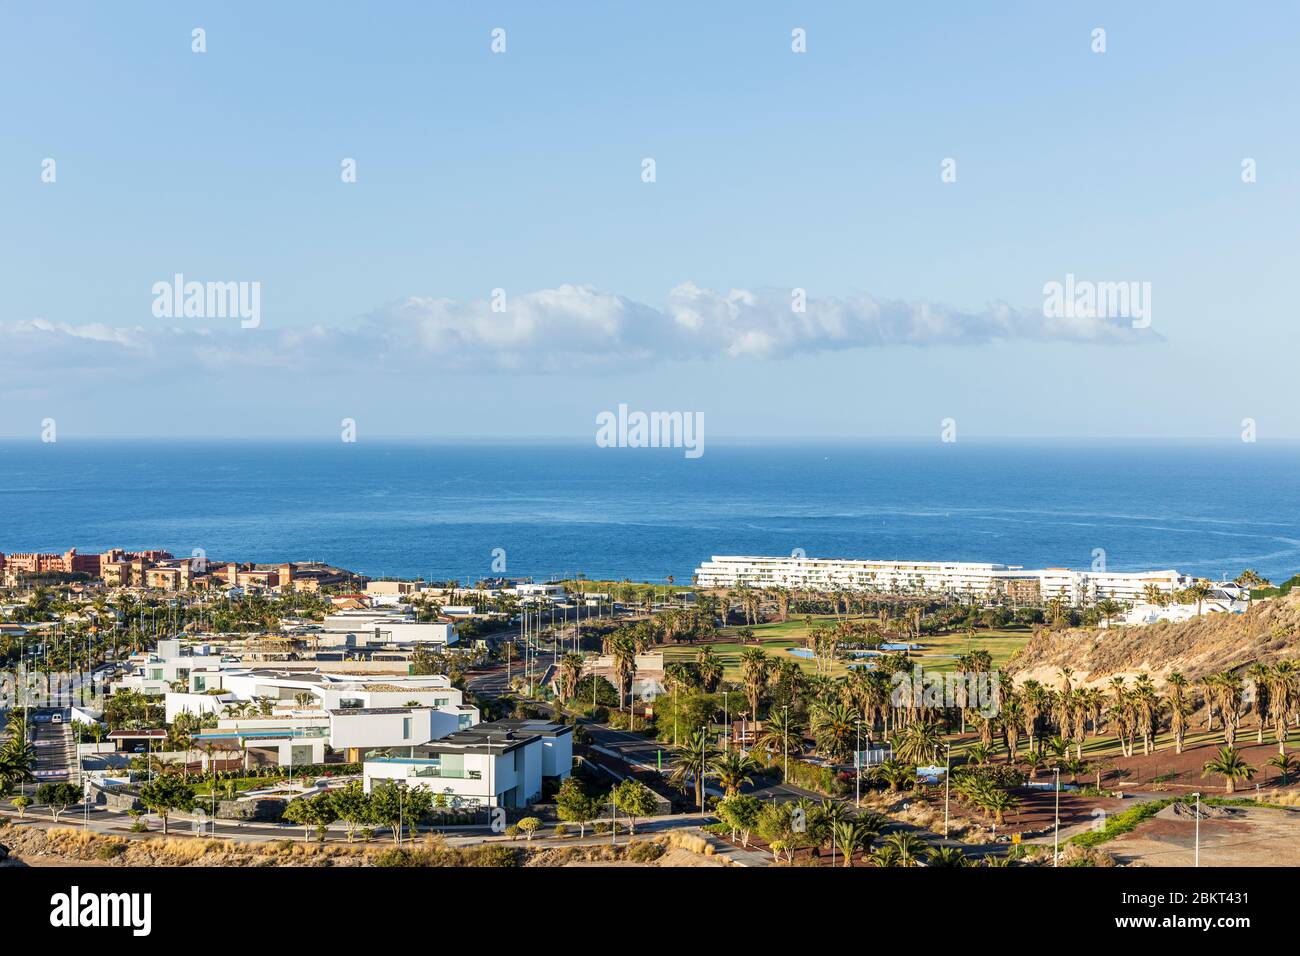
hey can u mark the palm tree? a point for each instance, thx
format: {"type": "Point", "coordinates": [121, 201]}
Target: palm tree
{"type": "Point", "coordinates": [623, 648]}
{"type": "Point", "coordinates": [1109, 610]}
{"type": "Point", "coordinates": [571, 667]}
{"type": "Point", "coordinates": [1285, 763]}
{"type": "Point", "coordinates": [1250, 580]}
{"type": "Point", "coordinates": [903, 848]}
{"type": "Point", "coordinates": [1033, 760]}
{"type": "Point", "coordinates": [710, 669]}
{"type": "Point", "coordinates": [733, 770]}
{"type": "Point", "coordinates": [1258, 675]}
{"type": "Point", "coordinates": [691, 762]}
{"type": "Point", "coordinates": [1033, 699]}
{"type": "Point", "coordinates": [1231, 691]}
{"type": "Point", "coordinates": [945, 856]}
{"type": "Point", "coordinates": [1180, 708]}
{"type": "Point", "coordinates": [835, 728]}
{"type": "Point", "coordinates": [780, 736]}
{"type": "Point", "coordinates": [918, 742]}
{"type": "Point", "coordinates": [755, 669]}
{"type": "Point", "coordinates": [1011, 720]}
{"type": "Point", "coordinates": [853, 836]}
{"type": "Point", "coordinates": [895, 773]}
{"type": "Point", "coordinates": [1197, 592]}
{"type": "Point", "coordinates": [1281, 699]}
{"type": "Point", "coordinates": [1074, 766]}
{"type": "Point", "coordinates": [996, 803]}
{"type": "Point", "coordinates": [1230, 766]}
{"type": "Point", "coordinates": [17, 761]}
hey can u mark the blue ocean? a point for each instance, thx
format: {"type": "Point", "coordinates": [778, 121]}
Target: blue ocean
{"type": "Point", "coordinates": [440, 510]}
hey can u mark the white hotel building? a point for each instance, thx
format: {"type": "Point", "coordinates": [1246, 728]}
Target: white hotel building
{"type": "Point", "coordinates": [958, 579]}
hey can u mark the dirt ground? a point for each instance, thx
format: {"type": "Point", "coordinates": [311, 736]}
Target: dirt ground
{"type": "Point", "coordinates": [1182, 772]}
{"type": "Point", "coordinates": [1037, 812]}
{"type": "Point", "coordinates": [1249, 836]}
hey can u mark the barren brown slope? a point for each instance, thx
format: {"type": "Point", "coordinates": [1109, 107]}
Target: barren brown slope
{"type": "Point", "coordinates": [1269, 632]}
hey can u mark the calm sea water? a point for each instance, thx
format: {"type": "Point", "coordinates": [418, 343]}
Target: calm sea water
{"type": "Point", "coordinates": [440, 510]}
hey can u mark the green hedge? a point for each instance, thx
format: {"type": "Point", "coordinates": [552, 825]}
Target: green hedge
{"type": "Point", "coordinates": [812, 777]}
{"type": "Point", "coordinates": [1124, 822]}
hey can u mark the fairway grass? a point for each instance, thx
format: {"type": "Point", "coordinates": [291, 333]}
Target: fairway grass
{"type": "Point", "coordinates": [938, 654]}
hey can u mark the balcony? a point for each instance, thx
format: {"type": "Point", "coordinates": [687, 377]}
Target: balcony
{"type": "Point", "coordinates": [448, 773]}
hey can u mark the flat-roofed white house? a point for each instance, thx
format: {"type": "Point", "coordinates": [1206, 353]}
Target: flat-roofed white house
{"type": "Point", "coordinates": [272, 712]}
{"type": "Point", "coordinates": [550, 592]}
{"type": "Point", "coordinates": [496, 764]}
{"type": "Point", "coordinates": [333, 690]}
{"type": "Point", "coordinates": [155, 672]}
{"type": "Point", "coordinates": [358, 731]}
{"type": "Point", "coordinates": [284, 740]}
{"type": "Point", "coordinates": [373, 628]}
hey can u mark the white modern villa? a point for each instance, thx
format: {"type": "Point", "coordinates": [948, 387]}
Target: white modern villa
{"type": "Point", "coordinates": [953, 578]}
{"type": "Point", "coordinates": [381, 628]}
{"type": "Point", "coordinates": [289, 718]}
{"type": "Point", "coordinates": [497, 764]}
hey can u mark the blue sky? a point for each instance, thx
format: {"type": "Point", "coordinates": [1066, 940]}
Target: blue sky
{"type": "Point", "coordinates": [522, 171]}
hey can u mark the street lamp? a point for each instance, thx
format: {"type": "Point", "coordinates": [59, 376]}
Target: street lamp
{"type": "Point", "coordinates": [947, 772]}
{"type": "Point", "coordinates": [1056, 838]}
{"type": "Point", "coordinates": [1197, 795]}
{"type": "Point", "coordinates": [785, 742]}
{"type": "Point", "coordinates": [857, 767]}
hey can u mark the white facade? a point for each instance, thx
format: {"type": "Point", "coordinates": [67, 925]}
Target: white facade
{"type": "Point", "coordinates": [388, 727]}
{"type": "Point", "coordinates": [349, 712]}
{"type": "Point", "coordinates": [1223, 599]}
{"type": "Point", "coordinates": [497, 764]}
{"type": "Point", "coordinates": [196, 704]}
{"type": "Point", "coordinates": [955, 578]}
{"type": "Point", "coordinates": [374, 628]}
{"type": "Point", "coordinates": [155, 672]}
{"type": "Point", "coordinates": [552, 591]}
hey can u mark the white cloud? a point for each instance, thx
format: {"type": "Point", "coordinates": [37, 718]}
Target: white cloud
{"type": "Point", "coordinates": [570, 328]}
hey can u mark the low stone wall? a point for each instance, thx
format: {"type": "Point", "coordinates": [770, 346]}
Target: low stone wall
{"type": "Point", "coordinates": [115, 798]}
{"type": "Point", "coordinates": [261, 811]}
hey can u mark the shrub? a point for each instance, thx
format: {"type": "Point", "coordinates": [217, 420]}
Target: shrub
{"type": "Point", "coordinates": [812, 777]}
{"type": "Point", "coordinates": [561, 829]}
{"type": "Point", "coordinates": [493, 854]}
{"type": "Point", "coordinates": [108, 851]}
{"type": "Point", "coordinates": [644, 851]}
{"type": "Point", "coordinates": [393, 857]}
{"type": "Point", "coordinates": [528, 826]}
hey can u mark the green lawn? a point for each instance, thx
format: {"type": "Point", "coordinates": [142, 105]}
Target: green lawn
{"type": "Point", "coordinates": [204, 788]}
{"type": "Point", "coordinates": [777, 638]}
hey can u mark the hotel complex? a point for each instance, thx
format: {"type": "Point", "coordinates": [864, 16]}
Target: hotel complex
{"type": "Point", "coordinates": [996, 582]}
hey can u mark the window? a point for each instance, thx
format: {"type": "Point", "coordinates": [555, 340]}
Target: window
{"type": "Point", "coordinates": [406, 728]}
{"type": "Point", "coordinates": [200, 683]}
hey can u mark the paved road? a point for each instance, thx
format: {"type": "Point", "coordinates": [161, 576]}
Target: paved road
{"type": "Point", "coordinates": [55, 753]}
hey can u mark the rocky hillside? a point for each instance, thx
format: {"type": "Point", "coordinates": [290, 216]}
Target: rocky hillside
{"type": "Point", "coordinates": [1215, 642]}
